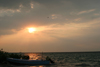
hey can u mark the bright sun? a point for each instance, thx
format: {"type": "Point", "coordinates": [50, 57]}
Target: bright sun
{"type": "Point", "coordinates": [31, 30]}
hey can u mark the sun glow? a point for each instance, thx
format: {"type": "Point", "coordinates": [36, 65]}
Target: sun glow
{"type": "Point", "coordinates": [31, 30]}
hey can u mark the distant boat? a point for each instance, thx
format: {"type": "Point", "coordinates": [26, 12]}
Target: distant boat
{"type": "Point", "coordinates": [28, 62]}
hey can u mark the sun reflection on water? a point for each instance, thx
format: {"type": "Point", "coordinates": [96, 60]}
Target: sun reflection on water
{"type": "Point", "coordinates": [36, 66]}
{"type": "Point", "coordinates": [34, 56]}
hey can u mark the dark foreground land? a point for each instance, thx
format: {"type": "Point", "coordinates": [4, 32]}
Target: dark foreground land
{"type": "Point", "coordinates": [4, 55]}
{"type": "Point", "coordinates": [5, 65]}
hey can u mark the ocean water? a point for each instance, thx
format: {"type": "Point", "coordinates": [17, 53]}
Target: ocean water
{"type": "Point", "coordinates": [67, 59]}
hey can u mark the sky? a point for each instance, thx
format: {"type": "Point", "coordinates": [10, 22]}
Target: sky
{"type": "Point", "coordinates": [60, 25]}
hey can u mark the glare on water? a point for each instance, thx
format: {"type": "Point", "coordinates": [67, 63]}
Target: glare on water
{"type": "Point", "coordinates": [34, 56]}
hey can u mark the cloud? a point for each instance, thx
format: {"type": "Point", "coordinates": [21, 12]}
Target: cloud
{"type": "Point", "coordinates": [87, 11]}
{"type": "Point", "coordinates": [14, 4]}
{"type": "Point", "coordinates": [32, 5]}
{"type": "Point", "coordinates": [78, 19]}
{"type": "Point", "coordinates": [8, 12]}
{"type": "Point", "coordinates": [70, 23]}
{"type": "Point", "coordinates": [21, 13]}
{"type": "Point", "coordinates": [55, 36]}
{"type": "Point", "coordinates": [97, 14]}
{"type": "Point", "coordinates": [55, 16]}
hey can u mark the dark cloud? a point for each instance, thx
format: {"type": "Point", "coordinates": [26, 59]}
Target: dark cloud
{"type": "Point", "coordinates": [6, 32]}
{"type": "Point", "coordinates": [15, 15]}
{"type": "Point", "coordinates": [10, 18]}
{"type": "Point", "coordinates": [11, 4]}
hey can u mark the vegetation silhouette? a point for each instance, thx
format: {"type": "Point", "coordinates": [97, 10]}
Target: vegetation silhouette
{"type": "Point", "coordinates": [4, 55]}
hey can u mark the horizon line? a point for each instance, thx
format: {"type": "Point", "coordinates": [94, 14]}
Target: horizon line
{"type": "Point", "coordinates": [59, 52]}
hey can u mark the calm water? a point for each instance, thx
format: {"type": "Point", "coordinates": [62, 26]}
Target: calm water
{"type": "Point", "coordinates": [89, 59]}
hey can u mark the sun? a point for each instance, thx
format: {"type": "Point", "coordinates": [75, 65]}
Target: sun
{"type": "Point", "coordinates": [31, 30]}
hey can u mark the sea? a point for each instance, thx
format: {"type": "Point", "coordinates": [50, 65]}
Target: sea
{"type": "Point", "coordinates": [66, 59]}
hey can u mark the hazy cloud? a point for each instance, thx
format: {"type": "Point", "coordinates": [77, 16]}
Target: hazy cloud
{"type": "Point", "coordinates": [60, 23]}
{"type": "Point", "coordinates": [78, 19]}
{"type": "Point", "coordinates": [87, 11]}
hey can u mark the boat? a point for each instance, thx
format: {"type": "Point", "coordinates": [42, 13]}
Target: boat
{"type": "Point", "coordinates": [28, 62]}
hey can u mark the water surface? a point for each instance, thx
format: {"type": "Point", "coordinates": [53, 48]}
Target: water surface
{"type": "Point", "coordinates": [67, 59]}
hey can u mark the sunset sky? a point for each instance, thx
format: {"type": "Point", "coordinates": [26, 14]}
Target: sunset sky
{"type": "Point", "coordinates": [49, 25]}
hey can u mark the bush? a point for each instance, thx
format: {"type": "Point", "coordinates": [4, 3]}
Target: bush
{"type": "Point", "coordinates": [12, 55]}
{"type": "Point", "coordinates": [25, 57]}
{"type": "Point", "coordinates": [3, 56]}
